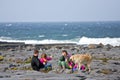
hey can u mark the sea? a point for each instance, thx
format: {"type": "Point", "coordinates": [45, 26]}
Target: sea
{"type": "Point", "coordinates": [80, 33]}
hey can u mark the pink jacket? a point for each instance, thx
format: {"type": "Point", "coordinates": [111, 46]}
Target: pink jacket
{"type": "Point", "coordinates": [45, 59]}
{"type": "Point", "coordinates": [71, 63]}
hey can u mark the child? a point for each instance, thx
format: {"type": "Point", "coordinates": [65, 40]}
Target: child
{"type": "Point", "coordinates": [44, 59]}
{"type": "Point", "coordinates": [74, 66]}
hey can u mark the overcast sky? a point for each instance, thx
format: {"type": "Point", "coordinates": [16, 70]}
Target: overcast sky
{"type": "Point", "coordinates": [59, 10]}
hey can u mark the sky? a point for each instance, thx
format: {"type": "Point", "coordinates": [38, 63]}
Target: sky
{"type": "Point", "coordinates": [59, 10]}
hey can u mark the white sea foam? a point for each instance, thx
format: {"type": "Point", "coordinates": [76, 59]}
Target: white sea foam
{"type": "Point", "coordinates": [66, 24]}
{"type": "Point", "coordinates": [8, 24]}
{"type": "Point", "coordinates": [64, 35]}
{"type": "Point", "coordinates": [40, 42]}
{"type": "Point", "coordinates": [105, 41]}
{"type": "Point", "coordinates": [81, 41]}
{"type": "Point", "coordinates": [5, 38]}
{"type": "Point", "coordinates": [41, 36]}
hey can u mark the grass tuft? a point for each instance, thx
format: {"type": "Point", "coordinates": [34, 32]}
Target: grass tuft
{"type": "Point", "coordinates": [105, 71]}
{"type": "Point", "coordinates": [1, 58]}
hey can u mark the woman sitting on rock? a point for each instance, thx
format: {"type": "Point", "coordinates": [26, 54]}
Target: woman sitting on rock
{"type": "Point", "coordinates": [44, 59]}
{"type": "Point", "coordinates": [64, 61]}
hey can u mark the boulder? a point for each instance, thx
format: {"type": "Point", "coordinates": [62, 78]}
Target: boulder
{"type": "Point", "coordinates": [100, 45]}
{"type": "Point", "coordinates": [91, 46]}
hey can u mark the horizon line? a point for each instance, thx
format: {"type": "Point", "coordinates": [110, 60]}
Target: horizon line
{"type": "Point", "coordinates": [56, 21]}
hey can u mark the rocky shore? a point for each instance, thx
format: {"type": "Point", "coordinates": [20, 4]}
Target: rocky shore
{"type": "Point", "coordinates": [15, 61]}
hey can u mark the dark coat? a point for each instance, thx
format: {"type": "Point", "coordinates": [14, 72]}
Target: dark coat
{"type": "Point", "coordinates": [36, 64]}
{"type": "Point", "coordinates": [62, 58]}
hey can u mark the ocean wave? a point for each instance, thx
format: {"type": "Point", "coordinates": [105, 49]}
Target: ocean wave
{"type": "Point", "coordinates": [8, 24]}
{"type": "Point", "coordinates": [41, 36]}
{"type": "Point", "coordinates": [105, 41]}
{"type": "Point", "coordinates": [40, 42]}
{"type": "Point", "coordinates": [78, 41]}
{"type": "Point", "coordinates": [64, 35]}
{"type": "Point", "coordinates": [5, 38]}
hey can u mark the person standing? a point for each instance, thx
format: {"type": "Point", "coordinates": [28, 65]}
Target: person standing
{"type": "Point", "coordinates": [35, 62]}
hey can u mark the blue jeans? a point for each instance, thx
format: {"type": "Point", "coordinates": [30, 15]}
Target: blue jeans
{"type": "Point", "coordinates": [48, 65]}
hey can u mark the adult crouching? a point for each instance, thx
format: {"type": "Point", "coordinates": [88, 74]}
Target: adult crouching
{"type": "Point", "coordinates": [35, 62]}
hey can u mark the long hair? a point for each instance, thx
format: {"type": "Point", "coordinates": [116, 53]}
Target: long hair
{"type": "Point", "coordinates": [65, 52]}
{"type": "Point", "coordinates": [43, 55]}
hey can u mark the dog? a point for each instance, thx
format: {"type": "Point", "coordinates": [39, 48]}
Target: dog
{"type": "Point", "coordinates": [81, 59]}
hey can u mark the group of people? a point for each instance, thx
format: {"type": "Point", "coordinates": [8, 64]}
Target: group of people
{"type": "Point", "coordinates": [64, 61]}
{"type": "Point", "coordinates": [37, 63]}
